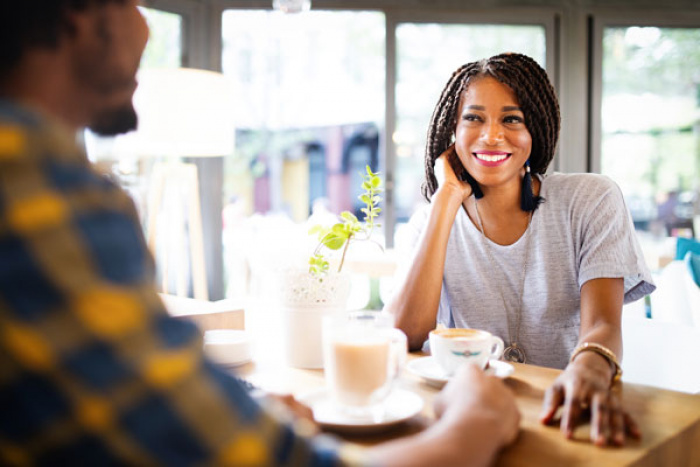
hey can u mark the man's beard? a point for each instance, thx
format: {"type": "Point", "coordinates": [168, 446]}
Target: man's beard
{"type": "Point", "coordinates": [115, 121]}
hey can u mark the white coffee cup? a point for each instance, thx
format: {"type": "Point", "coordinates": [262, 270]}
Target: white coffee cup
{"type": "Point", "coordinates": [453, 347]}
{"type": "Point", "coordinates": [363, 354]}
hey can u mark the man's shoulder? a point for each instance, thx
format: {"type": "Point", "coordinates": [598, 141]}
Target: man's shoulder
{"type": "Point", "coordinates": [29, 136]}
{"type": "Point", "coordinates": [17, 126]}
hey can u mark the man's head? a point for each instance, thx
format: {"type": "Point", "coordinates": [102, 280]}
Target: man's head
{"type": "Point", "coordinates": [95, 46]}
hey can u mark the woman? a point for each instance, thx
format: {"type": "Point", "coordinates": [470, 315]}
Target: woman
{"type": "Point", "coordinates": [544, 261]}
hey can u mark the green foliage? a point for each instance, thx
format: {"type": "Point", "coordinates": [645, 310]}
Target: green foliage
{"type": "Point", "coordinates": [661, 61]}
{"type": "Point", "coordinates": [349, 228]}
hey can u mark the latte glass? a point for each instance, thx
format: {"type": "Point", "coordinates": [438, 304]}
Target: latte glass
{"type": "Point", "coordinates": [363, 354]}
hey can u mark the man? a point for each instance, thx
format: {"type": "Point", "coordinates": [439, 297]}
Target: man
{"type": "Point", "coordinates": [92, 370]}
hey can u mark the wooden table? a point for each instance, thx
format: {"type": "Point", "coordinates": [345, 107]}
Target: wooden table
{"type": "Point", "coordinates": [669, 421]}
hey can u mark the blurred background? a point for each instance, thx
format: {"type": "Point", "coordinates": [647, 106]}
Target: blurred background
{"type": "Point", "coordinates": [313, 97]}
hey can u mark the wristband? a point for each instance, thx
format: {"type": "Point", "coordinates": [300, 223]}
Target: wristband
{"type": "Point", "coordinates": [604, 352]}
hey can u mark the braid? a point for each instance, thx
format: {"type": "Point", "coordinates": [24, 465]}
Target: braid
{"type": "Point", "coordinates": [535, 95]}
{"type": "Point", "coordinates": [442, 123]}
{"type": "Point", "coordinates": [537, 98]}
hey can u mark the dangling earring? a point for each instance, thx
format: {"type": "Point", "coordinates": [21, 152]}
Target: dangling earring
{"type": "Point", "coordinates": [476, 189]}
{"type": "Point", "coordinates": [528, 201]}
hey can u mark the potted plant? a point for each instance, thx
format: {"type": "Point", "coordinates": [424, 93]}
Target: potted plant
{"type": "Point", "coordinates": [321, 290]}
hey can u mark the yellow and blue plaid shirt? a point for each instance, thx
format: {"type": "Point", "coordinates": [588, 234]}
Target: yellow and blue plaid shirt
{"type": "Point", "coordinates": [92, 370]}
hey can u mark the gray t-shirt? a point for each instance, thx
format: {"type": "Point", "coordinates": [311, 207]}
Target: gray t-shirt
{"type": "Point", "coordinates": [581, 232]}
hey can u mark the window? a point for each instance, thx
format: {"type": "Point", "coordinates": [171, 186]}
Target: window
{"type": "Point", "coordinates": [650, 126]}
{"type": "Point", "coordinates": [309, 93]}
{"type": "Point", "coordinates": [164, 48]}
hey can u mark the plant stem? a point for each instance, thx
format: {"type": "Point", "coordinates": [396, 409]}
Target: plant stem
{"type": "Point", "coordinates": [345, 249]}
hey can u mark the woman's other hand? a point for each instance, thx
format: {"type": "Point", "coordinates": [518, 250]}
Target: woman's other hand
{"type": "Point", "coordinates": [583, 390]}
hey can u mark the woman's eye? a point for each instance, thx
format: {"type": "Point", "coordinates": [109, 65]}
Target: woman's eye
{"type": "Point", "coordinates": [471, 117]}
{"type": "Point", "coordinates": [513, 119]}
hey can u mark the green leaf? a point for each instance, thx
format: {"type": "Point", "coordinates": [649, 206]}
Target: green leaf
{"type": "Point", "coordinates": [339, 230]}
{"type": "Point", "coordinates": [348, 216]}
{"type": "Point", "coordinates": [335, 243]}
{"type": "Point", "coordinates": [318, 265]}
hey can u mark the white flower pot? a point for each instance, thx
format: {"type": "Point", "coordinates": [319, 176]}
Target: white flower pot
{"type": "Point", "coordinates": [306, 299]}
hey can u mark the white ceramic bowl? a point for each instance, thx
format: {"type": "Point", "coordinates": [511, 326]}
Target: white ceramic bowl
{"type": "Point", "coordinates": [228, 347]}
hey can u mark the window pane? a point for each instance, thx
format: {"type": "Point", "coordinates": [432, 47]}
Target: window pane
{"type": "Point", "coordinates": [309, 93]}
{"type": "Point", "coordinates": [427, 56]}
{"type": "Point", "coordinates": [164, 49]}
{"type": "Point", "coordinates": [650, 130]}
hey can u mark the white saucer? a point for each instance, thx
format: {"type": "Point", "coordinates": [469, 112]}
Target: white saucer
{"type": "Point", "coordinates": [400, 406]}
{"type": "Point", "coordinates": [428, 369]}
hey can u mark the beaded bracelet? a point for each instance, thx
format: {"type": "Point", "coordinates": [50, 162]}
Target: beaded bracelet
{"type": "Point", "coordinates": [604, 352]}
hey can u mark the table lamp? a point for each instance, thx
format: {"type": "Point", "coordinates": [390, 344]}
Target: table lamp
{"type": "Point", "coordinates": [183, 113]}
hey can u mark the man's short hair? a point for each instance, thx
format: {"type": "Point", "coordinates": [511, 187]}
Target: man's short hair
{"type": "Point", "coordinates": [26, 24]}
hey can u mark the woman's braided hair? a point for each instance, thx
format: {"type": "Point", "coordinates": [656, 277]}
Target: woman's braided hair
{"type": "Point", "coordinates": [536, 98]}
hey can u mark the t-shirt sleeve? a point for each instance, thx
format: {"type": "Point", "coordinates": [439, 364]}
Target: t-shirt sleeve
{"type": "Point", "coordinates": [608, 244]}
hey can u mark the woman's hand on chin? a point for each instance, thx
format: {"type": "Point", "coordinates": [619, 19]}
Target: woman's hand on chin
{"type": "Point", "coordinates": [447, 178]}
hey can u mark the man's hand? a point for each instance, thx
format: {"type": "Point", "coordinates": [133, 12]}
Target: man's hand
{"type": "Point", "coordinates": [476, 399]}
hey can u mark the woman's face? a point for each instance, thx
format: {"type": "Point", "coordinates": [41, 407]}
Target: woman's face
{"type": "Point", "coordinates": [491, 138]}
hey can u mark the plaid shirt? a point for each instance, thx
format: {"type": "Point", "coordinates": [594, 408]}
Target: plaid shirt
{"type": "Point", "coordinates": [92, 370]}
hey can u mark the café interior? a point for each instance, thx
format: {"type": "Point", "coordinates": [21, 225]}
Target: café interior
{"type": "Point", "coordinates": [258, 121]}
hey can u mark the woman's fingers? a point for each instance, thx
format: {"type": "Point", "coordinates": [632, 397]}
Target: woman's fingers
{"type": "Point", "coordinates": [575, 403]}
{"type": "Point", "coordinates": [577, 395]}
{"type": "Point", "coordinates": [631, 427]}
{"type": "Point", "coordinates": [617, 425]}
{"type": "Point", "coordinates": [610, 423]}
{"type": "Point", "coordinates": [553, 398]}
{"type": "Point", "coordinates": [443, 166]}
{"type": "Point", "coordinates": [600, 419]}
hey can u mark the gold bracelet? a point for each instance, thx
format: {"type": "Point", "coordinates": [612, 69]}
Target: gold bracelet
{"type": "Point", "coordinates": [604, 352]}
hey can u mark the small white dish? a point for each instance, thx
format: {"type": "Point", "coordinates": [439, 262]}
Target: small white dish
{"type": "Point", "coordinates": [428, 369]}
{"type": "Point", "coordinates": [400, 405]}
{"type": "Point", "coordinates": [228, 347]}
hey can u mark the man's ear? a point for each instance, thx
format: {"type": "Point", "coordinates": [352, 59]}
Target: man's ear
{"type": "Point", "coordinates": [80, 22]}
{"type": "Point", "coordinates": [86, 25]}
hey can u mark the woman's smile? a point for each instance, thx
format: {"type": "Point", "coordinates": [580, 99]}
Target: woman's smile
{"type": "Point", "coordinates": [491, 158]}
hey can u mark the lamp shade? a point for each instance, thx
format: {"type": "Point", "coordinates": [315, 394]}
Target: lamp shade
{"type": "Point", "coordinates": [183, 112]}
